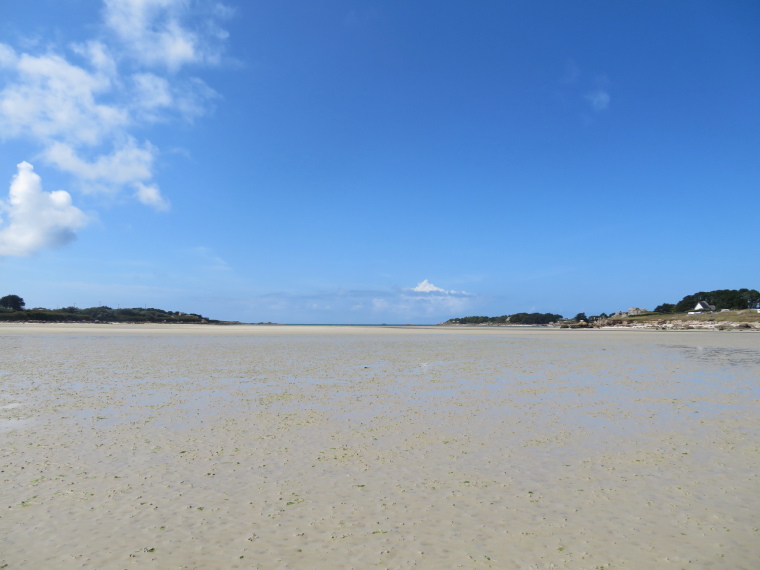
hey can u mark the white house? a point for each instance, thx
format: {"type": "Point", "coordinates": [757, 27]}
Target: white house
{"type": "Point", "coordinates": [704, 306]}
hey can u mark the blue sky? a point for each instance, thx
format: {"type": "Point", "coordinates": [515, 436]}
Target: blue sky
{"type": "Point", "coordinates": [366, 162]}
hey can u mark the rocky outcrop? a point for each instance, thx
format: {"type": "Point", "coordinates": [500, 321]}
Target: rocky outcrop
{"type": "Point", "coordinates": [679, 324]}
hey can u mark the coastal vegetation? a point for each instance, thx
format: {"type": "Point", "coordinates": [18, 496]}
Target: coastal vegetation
{"type": "Point", "coordinates": [516, 319]}
{"type": "Point", "coordinates": [722, 309]}
{"type": "Point", "coordinates": [12, 309]}
{"type": "Point", "coordinates": [730, 299]}
{"type": "Point", "coordinates": [743, 317]}
{"type": "Point", "coordinates": [734, 305]}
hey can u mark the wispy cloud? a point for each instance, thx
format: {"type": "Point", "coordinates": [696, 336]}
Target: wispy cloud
{"type": "Point", "coordinates": [32, 219]}
{"type": "Point", "coordinates": [151, 196]}
{"type": "Point", "coordinates": [599, 99]}
{"type": "Point", "coordinates": [82, 104]}
{"type": "Point", "coordinates": [209, 258]}
{"type": "Point", "coordinates": [594, 91]}
{"type": "Point", "coordinates": [571, 73]}
{"type": "Point", "coordinates": [164, 33]}
{"type": "Point", "coordinates": [127, 165]}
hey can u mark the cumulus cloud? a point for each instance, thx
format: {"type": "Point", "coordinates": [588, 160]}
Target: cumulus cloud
{"type": "Point", "coordinates": [425, 286]}
{"type": "Point", "coordinates": [599, 99]}
{"type": "Point", "coordinates": [83, 103]}
{"type": "Point", "coordinates": [32, 219]}
{"type": "Point", "coordinates": [424, 299]}
{"type": "Point", "coordinates": [50, 99]}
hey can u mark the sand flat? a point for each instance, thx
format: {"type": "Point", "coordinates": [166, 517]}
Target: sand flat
{"type": "Point", "coordinates": [184, 446]}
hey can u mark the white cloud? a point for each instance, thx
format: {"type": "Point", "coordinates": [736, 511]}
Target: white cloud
{"type": "Point", "coordinates": [98, 55]}
{"type": "Point", "coordinates": [32, 219]}
{"type": "Point", "coordinates": [426, 287]}
{"type": "Point", "coordinates": [82, 104]}
{"type": "Point", "coordinates": [151, 196]}
{"type": "Point", "coordinates": [158, 32]}
{"type": "Point", "coordinates": [106, 173]}
{"type": "Point", "coordinates": [599, 99]}
{"type": "Point", "coordinates": [153, 92]}
{"type": "Point", "coordinates": [156, 99]}
{"type": "Point", "coordinates": [7, 56]}
{"type": "Point", "coordinates": [53, 99]}
{"type": "Point", "coordinates": [425, 299]}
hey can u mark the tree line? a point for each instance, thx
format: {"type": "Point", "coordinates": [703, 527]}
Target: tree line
{"type": "Point", "coordinates": [12, 308]}
{"type": "Point", "coordinates": [516, 319]}
{"type": "Point", "coordinates": [731, 299]}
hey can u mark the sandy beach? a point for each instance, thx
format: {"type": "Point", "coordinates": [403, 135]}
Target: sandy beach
{"type": "Point", "coordinates": [183, 446]}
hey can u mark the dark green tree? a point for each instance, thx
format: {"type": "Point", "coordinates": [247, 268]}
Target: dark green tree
{"type": "Point", "coordinates": [580, 317]}
{"type": "Point", "coordinates": [534, 318]}
{"type": "Point", "coordinates": [516, 319]}
{"type": "Point", "coordinates": [734, 299]}
{"type": "Point", "coordinates": [12, 302]}
{"type": "Point", "coordinates": [665, 308]}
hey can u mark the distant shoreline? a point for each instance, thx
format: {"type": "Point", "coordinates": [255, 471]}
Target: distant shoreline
{"type": "Point", "coordinates": [683, 323]}
{"type": "Point", "coordinates": [742, 320]}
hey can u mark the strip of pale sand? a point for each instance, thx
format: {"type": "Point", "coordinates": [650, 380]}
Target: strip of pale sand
{"type": "Point", "coordinates": [185, 446]}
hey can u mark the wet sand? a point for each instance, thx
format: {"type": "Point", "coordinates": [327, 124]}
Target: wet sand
{"type": "Point", "coordinates": [184, 446]}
